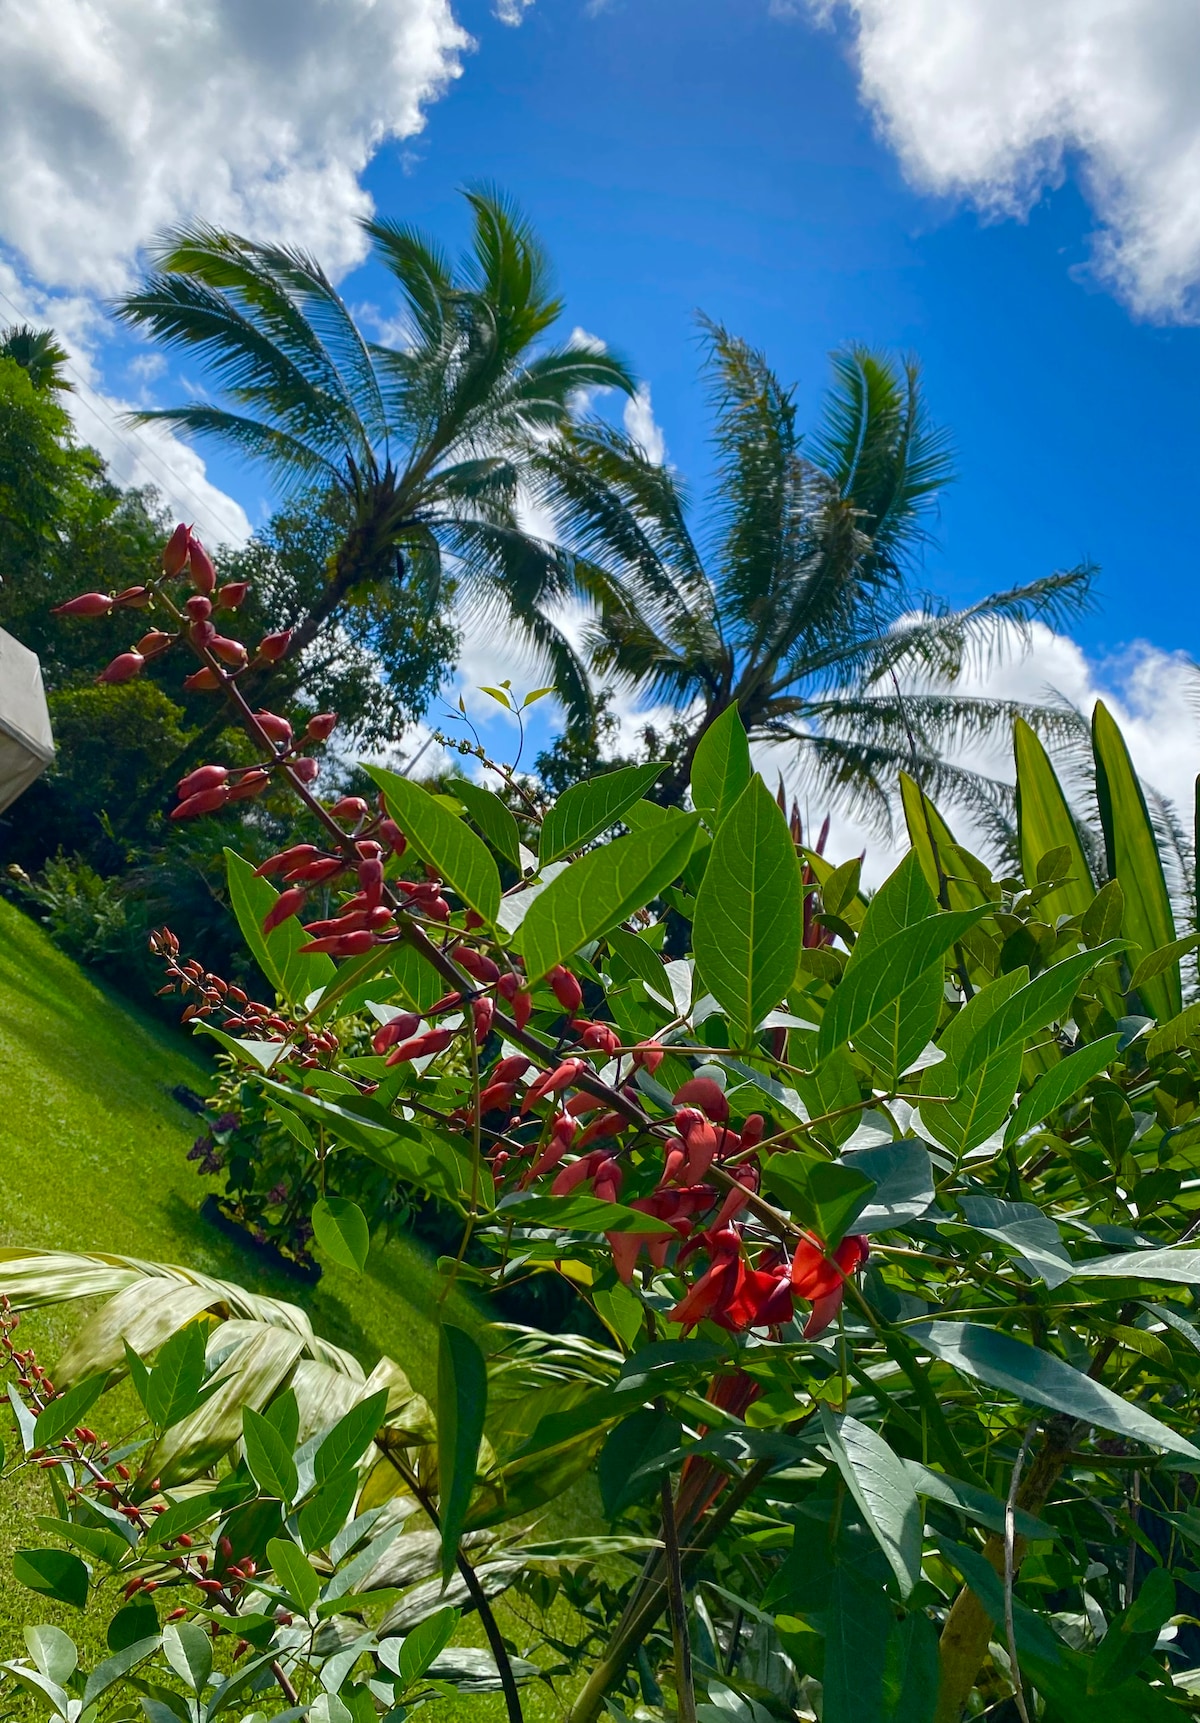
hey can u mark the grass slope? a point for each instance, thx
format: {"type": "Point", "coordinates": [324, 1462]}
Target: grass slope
{"type": "Point", "coordinates": [92, 1157]}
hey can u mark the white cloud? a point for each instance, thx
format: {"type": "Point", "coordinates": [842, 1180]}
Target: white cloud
{"type": "Point", "coordinates": [641, 426]}
{"type": "Point", "coordinates": [119, 117]}
{"type": "Point", "coordinates": [511, 11]}
{"type": "Point", "coordinates": [992, 99]}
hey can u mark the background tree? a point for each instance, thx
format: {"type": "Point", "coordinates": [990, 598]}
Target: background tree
{"type": "Point", "coordinates": [793, 597]}
{"type": "Point", "coordinates": [426, 440]}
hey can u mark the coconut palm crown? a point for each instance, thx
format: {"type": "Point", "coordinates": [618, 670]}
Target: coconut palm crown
{"type": "Point", "coordinates": [425, 439]}
{"type": "Point", "coordinates": [794, 599]}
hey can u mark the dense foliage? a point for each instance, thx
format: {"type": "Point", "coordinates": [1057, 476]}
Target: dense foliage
{"type": "Point", "coordinates": [887, 1238]}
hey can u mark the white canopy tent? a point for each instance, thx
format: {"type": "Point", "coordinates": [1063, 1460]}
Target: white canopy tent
{"type": "Point", "coordinates": [26, 742]}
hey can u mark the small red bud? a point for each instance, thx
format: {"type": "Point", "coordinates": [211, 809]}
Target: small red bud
{"type": "Point", "coordinates": [393, 837]}
{"type": "Point", "coordinates": [198, 607]}
{"type": "Point", "coordinates": [566, 988]}
{"type": "Point", "coordinates": [123, 668]}
{"type": "Point", "coordinates": [229, 651]}
{"type": "Point", "coordinates": [399, 1028]}
{"type": "Point", "coordinates": [202, 632]}
{"type": "Point", "coordinates": [87, 604]}
{"type": "Point", "coordinates": [231, 595]}
{"type": "Point", "coordinates": [277, 728]}
{"type": "Point", "coordinates": [175, 553]}
{"type": "Point", "coordinates": [154, 642]}
{"type": "Point", "coordinates": [133, 598]}
{"type": "Point", "coordinates": [202, 681]}
{"type": "Point", "coordinates": [305, 769]}
{"type": "Point", "coordinates": [287, 859]}
{"type": "Point", "coordinates": [251, 783]}
{"type": "Point", "coordinates": [273, 646]}
{"type": "Point", "coordinates": [312, 873]}
{"type": "Point", "coordinates": [321, 727]}
{"type": "Point", "coordinates": [342, 944]}
{"type": "Point", "coordinates": [287, 903]}
{"type": "Point", "coordinates": [204, 575]}
{"type": "Point", "coordinates": [350, 808]}
{"type": "Point", "coordinates": [203, 778]}
{"type": "Point", "coordinates": [204, 802]}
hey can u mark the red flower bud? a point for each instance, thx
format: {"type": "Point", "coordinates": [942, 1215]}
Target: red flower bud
{"type": "Point", "coordinates": [198, 607]}
{"type": "Point", "coordinates": [393, 837]}
{"type": "Point", "coordinates": [475, 963]}
{"type": "Point", "coordinates": [370, 878]}
{"type": "Point", "coordinates": [522, 1008]}
{"type": "Point", "coordinates": [432, 1041]}
{"type": "Point", "coordinates": [321, 727]}
{"type": "Point", "coordinates": [202, 632]}
{"type": "Point", "coordinates": [510, 1069]}
{"type": "Point", "coordinates": [399, 1028]}
{"type": "Point", "coordinates": [287, 859]}
{"type": "Point", "coordinates": [272, 725]}
{"type": "Point", "coordinates": [287, 903]}
{"type": "Point", "coordinates": [352, 922]}
{"type": "Point", "coordinates": [481, 1011]}
{"type": "Point", "coordinates": [87, 604]}
{"type": "Point", "coordinates": [154, 642]}
{"type": "Point", "coordinates": [251, 783]}
{"type": "Point", "coordinates": [649, 1055]}
{"type": "Point", "coordinates": [175, 553]}
{"type": "Point", "coordinates": [202, 681]}
{"type": "Point", "coordinates": [342, 944]}
{"type": "Point", "coordinates": [230, 596]}
{"type": "Point", "coordinates": [305, 769]}
{"type": "Point", "coordinates": [133, 598]}
{"type": "Point", "coordinates": [273, 646]}
{"type": "Point", "coordinates": [704, 1093]}
{"type": "Point", "coordinates": [203, 778]}
{"type": "Point", "coordinates": [228, 651]}
{"type": "Point", "coordinates": [125, 666]}
{"type": "Point", "coordinates": [350, 808]}
{"type": "Point", "coordinates": [204, 575]}
{"type": "Point", "coordinates": [312, 873]}
{"type": "Point", "coordinates": [205, 802]}
{"type": "Point", "coordinates": [566, 988]}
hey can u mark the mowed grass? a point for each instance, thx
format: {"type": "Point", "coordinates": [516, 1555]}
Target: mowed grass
{"type": "Point", "coordinates": [92, 1157]}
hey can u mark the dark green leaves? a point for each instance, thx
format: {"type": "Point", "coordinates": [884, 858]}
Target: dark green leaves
{"type": "Point", "coordinates": [587, 809]}
{"type": "Point", "coordinates": [491, 816]}
{"type": "Point", "coordinates": [462, 1403]}
{"type": "Point", "coordinates": [294, 1572]}
{"type": "Point", "coordinates": [66, 1410]}
{"type": "Point", "coordinates": [172, 1389]}
{"type": "Point", "coordinates": [599, 890]}
{"type": "Point", "coordinates": [293, 977]}
{"type": "Point", "coordinates": [721, 768]}
{"type": "Point", "coordinates": [1041, 1379]}
{"type": "Point", "coordinates": [636, 1440]}
{"type": "Point", "coordinates": [883, 1490]}
{"type": "Point", "coordinates": [580, 1212]}
{"type": "Point", "coordinates": [268, 1456]}
{"type": "Point", "coordinates": [462, 859]}
{"type": "Point", "coordinates": [342, 1231]}
{"type": "Point", "coordinates": [425, 1644]}
{"type": "Point", "coordinates": [343, 1447]}
{"type": "Point", "coordinates": [1060, 1084]}
{"type": "Point", "coordinates": [827, 1196]}
{"type": "Point", "coordinates": [53, 1573]}
{"type": "Point", "coordinates": [749, 916]}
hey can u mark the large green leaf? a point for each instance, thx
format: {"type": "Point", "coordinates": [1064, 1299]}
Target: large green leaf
{"type": "Point", "coordinates": [1040, 1379]}
{"type": "Point", "coordinates": [749, 925]}
{"type": "Point", "coordinates": [912, 1673]}
{"type": "Point", "coordinates": [1133, 859]}
{"type": "Point", "coordinates": [1060, 1084]}
{"type": "Point", "coordinates": [591, 807]}
{"type": "Point", "coordinates": [721, 768]}
{"type": "Point", "coordinates": [342, 1232]}
{"type": "Point", "coordinates": [580, 1213]}
{"type": "Point", "coordinates": [342, 1448]}
{"type": "Point", "coordinates": [53, 1573]}
{"type": "Point", "coordinates": [491, 816]}
{"type": "Point", "coordinates": [461, 1408]}
{"type": "Point", "coordinates": [887, 972]}
{"type": "Point", "coordinates": [1045, 823]}
{"type": "Point", "coordinates": [294, 1571]}
{"type": "Point", "coordinates": [268, 1456]}
{"type": "Point", "coordinates": [900, 1032]}
{"type": "Point", "coordinates": [983, 1092]}
{"type": "Point", "coordinates": [883, 1490]}
{"type": "Point", "coordinates": [1170, 1264]}
{"type": "Point", "coordinates": [64, 1411]}
{"type": "Point", "coordinates": [603, 888]}
{"type": "Point", "coordinates": [1043, 1000]}
{"type": "Point", "coordinates": [293, 977]}
{"type": "Point", "coordinates": [858, 1620]}
{"type": "Point", "coordinates": [440, 838]}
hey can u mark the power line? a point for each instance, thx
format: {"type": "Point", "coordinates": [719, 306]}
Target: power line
{"type": "Point", "coordinates": [102, 411]}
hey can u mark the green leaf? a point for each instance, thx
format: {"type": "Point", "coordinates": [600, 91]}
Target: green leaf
{"type": "Point", "coordinates": [53, 1651]}
{"type": "Point", "coordinates": [268, 1456]}
{"type": "Point", "coordinates": [580, 1213]}
{"type": "Point", "coordinates": [1134, 1633]}
{"type": "Point", "coordinates": [644, 1436]}
{"type": "Point", "coordinates": [911, 1673]}
{"type": "Point", "coordinates": [53, 1573]}
{"type": "Point", "coordinates": [461, 1408]}
{"type": "Point", "coordinates": [462, 859]}
{"type": "Point", "coordinates": [133, 1624]}
{"type": "Point", "coordinates": [342, 1231]}
{"type": "Point", "coordinates": [1133, 859]}
{"type": "Point", "coordinates": [645, 962]}
{"type": "Point", "coordinates": [178, 1375]}
{"type": "Point", "coordinates": [1040, 1379]}
{"type": "Point", "coordinates": [324, 1515]}
{"type": "Point", "coordinates": [895, 1036]}
{"type": "Point", "coordinates": [114, 1668]}
{"type": "Point", "coordinates": [1060, 1084]}
{"type": "Point", "coordinates": [877, 1480]}
{"type": "Point", "coordinates": [668, 1364]}
{"type": "Point", "coordinates": [1181, 1267]}
{"type": "Point", "coordinates": [1045, 823]}
{"type": "Point", "coordinates": [188, 1649]}
{"type": "Point", "coordinates": [293, 977]}
{"type": "Point", "coordinates": [1166, 957]}
{"type": "Point", "coordinates": [721, 769]}
{"type": "Point", "coordinates": [603, 888]}
{"type": "Point", "coordinates": [858, 1619]}
{"type": "Point", "coordinates": [828, 1196]}
{"type": "Point", "coordinates": [1175, 1032]}
{"type": "Point", "coordinates": [491, 816]}
{"type": "Point", "coordinates": [1026, 1231]}
{"type": "Point", "coordinates": [192, 1511]}
{"type": "Point", "coordinates": [294, 1572]}
{"type": "Point", "coordinates": [903, 1176]}
{"type": "Point", "coordinates": [885, 973]}
{"type": "Point", "coordinates": [982, 1092]}
{"type": "Point", "coordinates": [749, 925]}
{"type": "Point", "coordinates": [344, 1446]}
{"type": "Point", "coordinates": [1043, 1000]}
{"type": "Point", "coordinates": [591, 807]}
{"type": "Point", "coordinates": [61, 1414]}
{"type": "Point", "coordinates": [434, 1162]}
{"type": "Point", "coordinates": [425, 1643]}
{"type": "Point", "coordinates": [98, 1542]}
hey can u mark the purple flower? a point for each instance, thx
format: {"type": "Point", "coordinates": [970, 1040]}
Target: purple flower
{"type": "Point", "coordinates": [227, 1122]}
{"type": "Point", "coordinates": [201, 1148]}
{"type": "Point", "coordinates": [278, 1194]}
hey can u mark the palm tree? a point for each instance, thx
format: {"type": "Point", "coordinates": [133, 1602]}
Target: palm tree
{"type": "Point", "coordinates": [426, 440]}
{"type": "Point", "coordinates": [800, 607]}
{"type": "Point", "coordinates": [37, 351]}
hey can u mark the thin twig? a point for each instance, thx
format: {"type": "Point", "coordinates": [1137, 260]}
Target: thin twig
{"type": "Point", "coordinates": [685, 1692]}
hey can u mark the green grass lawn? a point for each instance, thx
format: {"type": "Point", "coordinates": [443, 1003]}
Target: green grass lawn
{"type": "Point", "coordinates": [92, 1157]}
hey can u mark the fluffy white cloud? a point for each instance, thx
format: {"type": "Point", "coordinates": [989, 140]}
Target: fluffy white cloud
{"type": "Point", "coordinates": [118, 117]}
{"type": "Point", "coordinates": [641, 425]}
{"type": "Point", "coordinates": [990, 99]}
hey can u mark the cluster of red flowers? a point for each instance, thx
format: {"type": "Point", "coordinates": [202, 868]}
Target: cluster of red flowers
{"type": "Point", "coordinates": [240, 1015]}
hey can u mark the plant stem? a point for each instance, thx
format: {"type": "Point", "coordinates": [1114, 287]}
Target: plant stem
{"type": "Point", "coordinates": [685, 1693]}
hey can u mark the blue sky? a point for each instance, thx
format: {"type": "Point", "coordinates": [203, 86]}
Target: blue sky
{"type": "Point", "coordinates": [807, 183]}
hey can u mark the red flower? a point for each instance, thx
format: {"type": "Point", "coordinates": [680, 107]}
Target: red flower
{"type": "Point", "coordinates": [822, 1279]}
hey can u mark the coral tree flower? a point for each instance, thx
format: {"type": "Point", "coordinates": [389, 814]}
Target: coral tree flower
{"type": "Point", "coordinates": [821, 1279]}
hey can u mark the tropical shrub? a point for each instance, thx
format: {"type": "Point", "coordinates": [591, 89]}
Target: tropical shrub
{"type": "Point", "coordinates": [889, 1239]}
